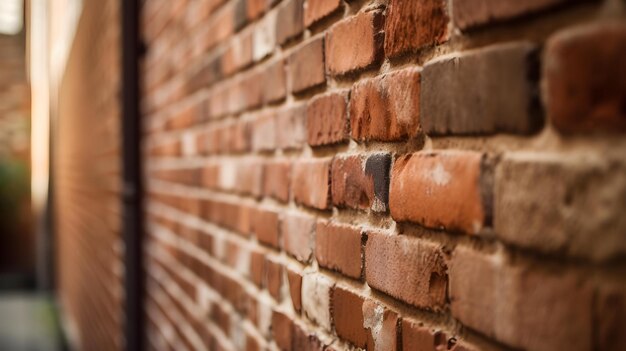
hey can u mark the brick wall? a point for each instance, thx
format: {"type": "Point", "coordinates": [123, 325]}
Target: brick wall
{"type": "Point", "coordinates": [87, 181]}
{"type": "Point", "coordinates": [385, 174]}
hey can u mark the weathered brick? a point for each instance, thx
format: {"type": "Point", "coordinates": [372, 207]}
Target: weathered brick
{"type": "Point", "coordinates": [440, 189]}
{"type": "Point", "coordinates": [264, 132]}
{"type": "Point", "coordinates": [264, 37]}
{"type": "Point", "coordinates": [362, 183]}
{"type": "Point", "coordinates": [412, 25]}
{"type": "Point", "coordinates": [382, 326]}
{"type": "Point", "coordinates": [354, 43]}
{"type": "Point", "coordinates": [298, 232]}
{"type": "Point", "coordinates": [489, 90]}
{"type": "Point", "coordinates": [306, 66]}
{"type": "Point", "coordinates": [472, 13]}
{"type": "Point", "coordinates": [347, 309]}
{"type": "Point", "coordinates": [585, 78]}
{"type": "Point", "coordinates": [291, 129]}
{"type": "Point", "coordinates": [311, 183]}
{"type": "Point", "coordinates": [509, 302]}
{"type": "Point", "coordinates": [338, 247]}
{"type": "Point", "coordinates": [277, 180]}
{"type": "Point", "coordinates": [327, 119]}
{"type": "Point", "coordinates": [416, 336]}
{"type": "Point", "coordinates": [265, 227]}
{"type": "Point", "coordinates": [386, 108]}
{"type": "Point", "coordinates": [316, 290]}
{"type": "Point", "coordinates": [290, 22]}
{"type": "Point", "coordinates": [295, 288]}
{"type": "Point", "coordinates": [274, 78]}
{"type": "Point", "coordinates": [408, 269]}
{"type": "Point", "coordinates": [557, 203]}
{"type": "Point", "coordinates": [316, 10]}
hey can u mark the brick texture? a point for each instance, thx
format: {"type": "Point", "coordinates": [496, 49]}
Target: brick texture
{"type": "Point", "coordinates": [338, 247]}
{"type": "Point", "coordinates": [327, 119]}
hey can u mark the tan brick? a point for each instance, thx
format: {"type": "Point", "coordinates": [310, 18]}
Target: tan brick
{"type": "Point", "coordinates": [298, 231]}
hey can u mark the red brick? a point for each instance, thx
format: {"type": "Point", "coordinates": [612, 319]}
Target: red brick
{"type": "Point", "coordinates": [338, 247]}
{"type": "Point", "coordinates": [264, 132]}
{"type": "Point", "coordinates": [289, 23]}
{"type": "Point", "coordinates": [386, 108]}
{"type": "Point", "coordinates": [264, 36]}
{"type": "Point", "coordinates": [508, 302]}
{"type": "Point", "coordinates": [382, 326]}
{"type": "Point", "coordinates": [438, 190]}
{"type": "Point", "coordinates": [473, 13]}
{"type": "Point", "coordinates": [412, 25]}
{"type": "Point", "coordinates": [311, 183]}
{"type": "Point", "coordinates": [303, 341]}
{"type": "Point", "coordinates": [354, 43]}
{"type": "Point", "coordinates": [273, 278]}
{"type": "Point", "coordinates": [316, 10]}
{"type": "Point", "coordinates": [297, 232]}
{"type": "Point", "coordinates": [327, 119]}
{"type": "Point", "coordinates": [295, 288]}
{"type": "Point", "coordinates": [265, 227]}
{"type": "Point", "coordinates": [306, 66]}
{"type": "Point", "coordinates": [291, 129]}
{"type": "Point", "coordinates": [361, 183]}
{"type": "Point", "coordinates": [255, 8]}
{"type": "Point", "coordinates": [277, 180]}
{"type": "Point", "coordinates": [275, 82]}
{"type": "Point", "coordinates": [239, 53]}
{"type": "Point", "coordinates": [417, 337]}
{"type": "Point", "coordinates": [347, 309]}
{"type": "Point", "coordinates": [408, 269]}
{"type": "Point", "coordinates": [585, 78]}
{"type": "Point", "coordinates": [282, 330]}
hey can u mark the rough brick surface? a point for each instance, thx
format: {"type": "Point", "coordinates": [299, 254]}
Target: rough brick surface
{"type": "Point", "coordinates": [585, 78]}
{"type": "Point", "coordinates": [360, 182]}
{"type": "Point", "coordinates": [347, 310]}
{"type": "Point", "coordinates": [382, 326]}
{"type": "Point", "coordinates": [327, 119]}
{"type": "Point", "coordinates": [290, 23]}
{"type": "Point", "coordinates": [306, 66]}
{"type": "Point", "coordinates": [508, 301]}
{"type": "Point", "coordinates": [297, 232]}
{"type": "Point", "coordinates": [411, 25]}
{"type": "Point", "coordinates": [416, 336]}
{"type": "Point", "coordinates": [338, 247]}
{"type": "Point", "coordinates": [354, 43]}
{"type": "Point", "coordinates": [316, 10]}
{"type": "Point", "coordinates": [311, 183]}
{"type": "Point", "coordinates": [473, 13]}
{"type": "Point", "coordinates": [558, 204]}
{"type": "Point", "coordinates": [438, 190]}
{"type": "Point", "coordinates": [406, 268]}
{"type": "Point", "coordinates": [488, 90]}
{"type": "Point", "coordinates": [316, 290]}
{"type": "Point", "coordinates": [387, 107]}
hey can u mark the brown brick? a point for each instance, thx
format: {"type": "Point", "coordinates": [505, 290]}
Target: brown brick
{"type": "Point", "coordinates": [311, 183]}
{"type": "Point", "coordinates": [282, 330]}
{"type": "Point", "coordinates": [509, 302]}
{"type": "Point", "coordinates": [472, 13]}
{"type": "Point", "coordinates": [289, 23]}
{"type": "Point", "coordinates": [297, 232]}
{"type": "Point", "coordinates": [304, 341]}
{"type": "Point", "coordinates": [291, 128]}
{"type": "Point", "coordinates": [327, 119]}
{"type": "Point", "coordinates": [386, 108]}
{"type": "Point", "coordinates": [306, 66]}
{"type": "Point", "coordinates": [277, 180]}
{"type": "Point", "coordinates": [416, 336]}
{"type": "Point", "coordinates": [609, 319]}
{"type": "Point", "coordinates": [338, 247]}
{"type": "Point", "coordinates": [412, 25]}
{"type": "Point", "coordinates": [489, 90]}
{"type": "Point", "coordinates": [382, 326]}
{"type": "Point", "coordinates": [347, 309]}
{"type": "Point", "coordinates": [257, 268]}
{"type": "Point", "coordinates": [354, 43]}
{"type": "Point", "coordinates": [265, 227]}
{"type": "Point", "coordinates": [274, 78]}
{"type": "Point", "coordinates": [239, 53]}
{"type": "Point", "coordinates": [361, 183]}
{"type": "Point", "coordinates": [316, 10]}
{"type": "Point", "coordinates": [241, 14]}
{"type": "Point", "coordinates": [273, 278]}
{"type": "Point", "coordinates": [255, 8]}
{"type": "Point", "coordinates": [295, 288]}
{"type": "Point", "coordinates": [408, 269]}
{"type": "Point", "coordinates": [551, 202]}
{"type": "Point", "coordinates": [439, 190]}
{"type": "Point", "coordinates": [264, 132]}
{"type": "Point", "coordinates": [585, 78]}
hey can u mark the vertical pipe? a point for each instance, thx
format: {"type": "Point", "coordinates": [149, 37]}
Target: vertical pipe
{"type": "Point", "coordinates": [132, 187]}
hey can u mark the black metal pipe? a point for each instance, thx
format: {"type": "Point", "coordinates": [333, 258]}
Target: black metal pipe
{"type": "Point", "coordinates": [132, 188]}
